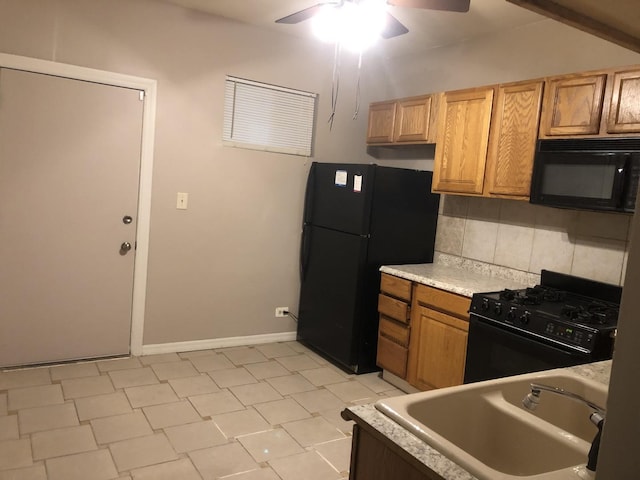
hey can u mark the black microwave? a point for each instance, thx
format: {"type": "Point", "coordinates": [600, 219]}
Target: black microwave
{"type": "Point", "coordinates": [592, 174]}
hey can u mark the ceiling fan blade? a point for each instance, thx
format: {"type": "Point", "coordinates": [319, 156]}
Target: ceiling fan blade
{"type": "Point", "coordinates": [393, 27]}
{"type": "Point", "coordinates": [446, 5]}
{"type": "Point", "coordinates": [302, 15]}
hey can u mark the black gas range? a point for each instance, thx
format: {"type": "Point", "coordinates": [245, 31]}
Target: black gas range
{"type": "Point", "coordinates": [563, 321]}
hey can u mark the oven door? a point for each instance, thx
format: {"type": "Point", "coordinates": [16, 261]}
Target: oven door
{"type": "Point", "coordinates": [495, 352]}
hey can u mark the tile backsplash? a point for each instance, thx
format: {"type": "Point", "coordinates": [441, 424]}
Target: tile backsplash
{"type": "Point", "coordinates": [530, 238]}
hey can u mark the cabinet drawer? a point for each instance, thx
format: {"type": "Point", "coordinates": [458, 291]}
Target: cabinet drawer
{"type": "Point", "coordinates": [396, 287]}
{"type": "Point", "coordinates": [391, 307]}
{"type": "Point", "coordinates": [445, 319]}
{"type": "Point", "coordinates": [394, 331]}
{"type": "Point", "coordinates": [440, 300]}
{"type": "Point", "coordinates": [392, 357]}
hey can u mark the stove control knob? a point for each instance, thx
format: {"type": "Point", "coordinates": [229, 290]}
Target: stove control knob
{"type": "Point", "coordinates": [497, 309]}
{"type": "Point", "coordinates": [511, 314]}
{"type": "Point", "coordinates": [525, 317]}
{"type": "Point", "coordinates": [485, 304]}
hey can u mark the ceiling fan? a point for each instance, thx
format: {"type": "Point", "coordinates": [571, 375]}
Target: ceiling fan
{"type": "Point", "coordinates": [393, 27]}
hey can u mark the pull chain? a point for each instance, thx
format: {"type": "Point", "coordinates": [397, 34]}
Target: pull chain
{"type": "Point", "coordinates": [357, 110]}
{"type": "Point", "coordinates": [335, 85]}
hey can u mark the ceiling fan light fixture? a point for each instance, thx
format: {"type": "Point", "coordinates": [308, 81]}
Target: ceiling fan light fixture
{"type": "Point", "coordinates": [357, 26]}
{"type": "Point", "coordinates": [326, 23]}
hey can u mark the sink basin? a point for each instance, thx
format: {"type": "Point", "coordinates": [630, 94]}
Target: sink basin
{"type": "Point", "coordinates": [484, 428]}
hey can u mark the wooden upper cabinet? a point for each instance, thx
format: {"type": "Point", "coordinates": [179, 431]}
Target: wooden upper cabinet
{"type": "Point", "coordinates": [462, 141]}
{"type": "Point", "coordinates": [573, 105]}
{"type": "Point", "coordinates": [403, 121]}
{"type": "Point", "coordinates": [514, 132]}
{"type": "Point", "coordinates": [412, 119]}
{"type": "Point", "coordinates": [624, 109]}
{"type": "Point", "coordinates": [381, 122]}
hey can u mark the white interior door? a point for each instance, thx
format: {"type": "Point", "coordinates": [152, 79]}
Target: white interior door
{"type": "Point", "coordinates": [69, 175]}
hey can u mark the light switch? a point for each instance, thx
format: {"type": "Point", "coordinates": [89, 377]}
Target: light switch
{"type": "Point", "coordinates": [182, 201]}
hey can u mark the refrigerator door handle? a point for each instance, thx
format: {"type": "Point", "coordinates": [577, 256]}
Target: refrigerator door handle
{"type": "Point", "coordinates": [305, 250]}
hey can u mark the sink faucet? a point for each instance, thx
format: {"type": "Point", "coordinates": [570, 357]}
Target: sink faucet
{"type": "Point", "coordinates": [532, 400]}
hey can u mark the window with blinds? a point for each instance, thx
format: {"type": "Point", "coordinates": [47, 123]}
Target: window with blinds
{"type": "Point", "coordinates": [267, 117]}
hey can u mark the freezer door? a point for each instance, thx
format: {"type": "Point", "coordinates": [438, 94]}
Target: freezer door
{"type": "Point", "coordinates": [339, 196]}
{"type": "Point", "coordinates": [331, 295]}
{"type": "Point", "coordinates": [403, 218]}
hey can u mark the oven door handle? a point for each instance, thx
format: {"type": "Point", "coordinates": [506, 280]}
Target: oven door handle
{"type": "Point", "coordinates": [506, 327]}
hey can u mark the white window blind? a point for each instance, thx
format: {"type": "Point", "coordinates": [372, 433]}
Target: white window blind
{"type": "Point", "coordinates": [267, 117]}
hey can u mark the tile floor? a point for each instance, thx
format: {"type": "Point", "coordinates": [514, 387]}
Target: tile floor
{"type": "Point", "coordinates": [264, 412]}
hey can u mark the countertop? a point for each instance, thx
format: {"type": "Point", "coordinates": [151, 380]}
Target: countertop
{"type": "Point", "coordinates": [462, 276]}
{"type": "Point", "coordinates": [430, 457]}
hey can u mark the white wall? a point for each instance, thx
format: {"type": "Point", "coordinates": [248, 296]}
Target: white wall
{"type": "Point", "coordinates": [220, 268]}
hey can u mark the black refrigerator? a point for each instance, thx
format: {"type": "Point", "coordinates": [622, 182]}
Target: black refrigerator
{"type": "Point", "coordinates": [357, 218]}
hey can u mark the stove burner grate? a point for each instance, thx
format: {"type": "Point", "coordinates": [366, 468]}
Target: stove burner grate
{"type": "Point", "coordinates": [533, 295]}
{"type": "Point", "coordinates": [597, 313]}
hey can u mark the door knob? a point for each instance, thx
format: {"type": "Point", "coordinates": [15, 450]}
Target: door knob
{"type": "Point", "coordinates": [124, 248]}
{"type": "Point", "coordinates": [127, 219]}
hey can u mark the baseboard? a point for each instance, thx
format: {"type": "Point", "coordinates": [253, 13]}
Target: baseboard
{"type": "Point", "coordinates": [207, 344]}
{"type": "Point", "coordinates": [398, 382]}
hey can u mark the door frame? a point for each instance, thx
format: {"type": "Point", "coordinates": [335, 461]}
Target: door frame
{"type": "Point", "coordinates": [149, 87]}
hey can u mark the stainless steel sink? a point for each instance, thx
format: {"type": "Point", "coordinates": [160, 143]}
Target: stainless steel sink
{"type": "Point", "coordinates": [484, 428]}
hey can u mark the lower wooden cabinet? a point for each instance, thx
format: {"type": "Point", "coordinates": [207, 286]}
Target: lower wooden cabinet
{"type": "Point", "coordinates": [374, 457]}
{"type": "Point", "coordinates": [393, 332]}
{"type": "Point", "coordinates": [438, 350]}
{"type": "Point", "coordinates": [393, 347]}
{"type": "Point", "coordinates": [438, 346]}
{"type": "Point", "coordinates": [422, 335]}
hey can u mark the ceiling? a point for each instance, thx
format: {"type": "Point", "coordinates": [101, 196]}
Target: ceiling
{"type": "Point", "coordinates": [427, 28]}
{"type": "Point", "coordinates": [615, 20]}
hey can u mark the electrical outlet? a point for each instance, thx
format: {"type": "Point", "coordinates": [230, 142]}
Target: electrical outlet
{"type": "Point", "coordinates": [282, 311]}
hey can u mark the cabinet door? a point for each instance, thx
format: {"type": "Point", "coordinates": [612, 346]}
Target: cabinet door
{"type": "Point", "coordinates": [438, 350]}
{"type": "Point", "coordinates": [371, 459]}
{"type": "Point", "coordinates": [624, 111]}
{"type": "Point", "coordinates": [514, 131]}
{"type": "Point", "coordinates": [463, 137]}
{"type": "Point", "coordinates": [573, 105]}
{"type": "Point", "coordinates": [412, 119]}
{"type": "Point", "coordinates": [381, 122]}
